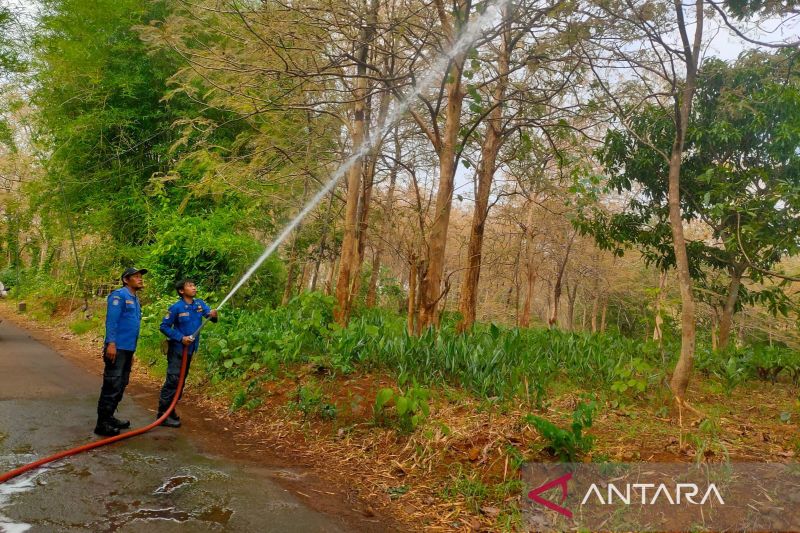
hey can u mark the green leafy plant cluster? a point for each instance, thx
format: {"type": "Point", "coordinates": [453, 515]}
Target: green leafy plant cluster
{"type": "Point", "coordinates": [568, 444]}
{"type": "Point", "coordinates": [735, 365]}
{"type": "Point", "coordinates": [404, 411]}
{"type": "Point", "coordinates": [633, 379]}
{"type": "Point", "coordinates": [310, 400]}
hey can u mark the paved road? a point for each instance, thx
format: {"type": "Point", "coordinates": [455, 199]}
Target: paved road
{"type": "Point", "coordinates": [158, 482]}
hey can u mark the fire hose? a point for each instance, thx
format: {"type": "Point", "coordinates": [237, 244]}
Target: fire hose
{"type": "Point", "coordinates": [110, 440]}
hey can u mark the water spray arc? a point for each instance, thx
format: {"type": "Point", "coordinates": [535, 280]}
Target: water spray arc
{"type": "Point", "coordinates": [434, 74]}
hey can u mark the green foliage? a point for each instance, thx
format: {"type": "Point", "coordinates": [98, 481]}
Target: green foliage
{"type": "Point", "coordinates": [10, 60]}
{"type": "Point", "coordinates": [310, 400]}
{"type": "Point", "coordinates": [740, 175]}
{"type": "Point", "coordinates": [410, 408]}
{"type": "Point", "coordinates": [633, 379]}
{"type": "Point", "coordinates": [738, 364]}
{"type": "Point", "coordinates": [490, 361]}
{"type": "Point", "coordinates": [248, 342]}
{"type": "Point", "coordinates": [98, 98]}
{"type": "Point", "coordinates": [82, 326]}
{"type": "Point", "coordinates": [239, 399]}
{"type": "Point", "coordinates": [731, 374]}
{"type": "Point", "coordinates": [472, 489]}
{"type": "Point", "coordinates": [568, 444]}
{"type": "Point", "coordinates": [766, 363]}
{"type": "Point", "coordinates": [212, 251]}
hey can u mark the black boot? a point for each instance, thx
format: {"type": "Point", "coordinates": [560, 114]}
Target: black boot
{"type": "Point", "coordinates": [105, 428]}
{"type": "Point", "coordinates": [170, 421]}
{"type": "Point", "coordinates": [119, 424]}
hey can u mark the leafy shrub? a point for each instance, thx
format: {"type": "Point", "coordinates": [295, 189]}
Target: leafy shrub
{"type": "Point", "coordinates": [632, 379]}
{"type": "Point", "coordinates": [765, 362]}
{"type": "Point", "coordinates": [734, 365]}
{"type": "Point", "coordinates": [250, 341]}
{"type": "Point", "coordinates": [731, 374]}
{"type": "Point", "coordinates": [410, 409]}
{"type": "Point", "coordinates": [310, 400]}
{"type": "Point", "coordinates": [567, 444]}
{"type": "Point", "coordinates": [210, 250]}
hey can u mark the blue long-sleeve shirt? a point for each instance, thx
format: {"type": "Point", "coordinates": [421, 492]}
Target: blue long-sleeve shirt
{"type": "Point", "coordinates": [183, 319]}
{"type": "Point", "coordinates": [123, 319]}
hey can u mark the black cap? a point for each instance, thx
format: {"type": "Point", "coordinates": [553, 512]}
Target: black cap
{"type": "Point", "coordinates": [131, 271]}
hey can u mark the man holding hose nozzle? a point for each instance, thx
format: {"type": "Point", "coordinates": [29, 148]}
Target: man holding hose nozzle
{"type": "Point", "coordinates": [183, 319]}
{"type": "Point", "coordinates": [123, 318]}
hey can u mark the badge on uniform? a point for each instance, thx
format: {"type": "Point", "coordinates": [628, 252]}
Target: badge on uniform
{"type": "Point", "coordinates": [115, 301]}
{"type": "Point", "coordinates": [129, 302]}
{"type": "Point", "coordinates": [199, 309]}
{"type": "Point", "coordinates": [183, 314]}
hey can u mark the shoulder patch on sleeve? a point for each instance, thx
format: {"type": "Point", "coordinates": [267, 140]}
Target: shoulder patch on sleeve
{"type": "Point", "coordinates": [115, 300]}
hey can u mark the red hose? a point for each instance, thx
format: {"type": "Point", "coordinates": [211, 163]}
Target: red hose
{"type": "Point", "coordinates": [102, 442]}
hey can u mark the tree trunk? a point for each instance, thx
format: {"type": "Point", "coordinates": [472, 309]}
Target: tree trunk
{"type": "Point", "coordinates": [490, 148]}
{"type": "Point", "coordinates": [680, 378]}
{"type": "Point", "coordinates": [726, 319]}
{"type": "Point", "coordinates": [292, 271]}
{"type": "Point", "coordinates": [571, 297]}
{"type": "Point", "coordinates": [290, 275]}
{"type": "Point", "coordinates": [350, 238]}
{"type": "Point", "coordinates": [372, 291]}
{"type": "Point", "coordinates": [321, 245]}
{"type": "Point", "coordinates": [331, 276]}
{"type": "Point", "coordinates": [418, 302]}
{"type": "Point", "coordinates": [603, 316]}
{"type": "Point", "coordinates": [557, 288]}
{"type": "Point", "coordinates": [366, 198]}
{"type": "Point", "coordinates": [437, 242]}
{"type": "Point", "coordinates": [658, 334]}
{"type": "Point", "coordinates": [596, 302]}
{"type": "Point", "coordinates": [301, 282]}
{"type": "Point", "coordinates": [412, 295]}
{"type": "Point", "coordinates": [525, 318]}
{"type": "Point", "coordinates": [714, 326]}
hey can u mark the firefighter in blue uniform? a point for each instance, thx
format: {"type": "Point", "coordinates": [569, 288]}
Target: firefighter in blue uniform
{"type": "Point", "coordinates": [123, 318]}
{"type": "Point", "coordinates": [182, 320]}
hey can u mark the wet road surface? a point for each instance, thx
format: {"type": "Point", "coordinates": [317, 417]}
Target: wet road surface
{"type": "Point", "coordinates": [157, 482]}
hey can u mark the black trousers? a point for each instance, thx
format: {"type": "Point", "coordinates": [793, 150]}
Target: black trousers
{"type": "Point", "coordinates": [174, 360]}
{"type": "Point", "coordinates": [116, 375]}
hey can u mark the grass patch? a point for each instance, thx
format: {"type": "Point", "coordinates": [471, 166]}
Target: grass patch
{"type": "Point", "coordinates": [83, 326]}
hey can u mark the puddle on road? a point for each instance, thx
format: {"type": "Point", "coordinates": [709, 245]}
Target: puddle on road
{"type": "Point", "coordinates": [175, 483]}
{"type": "Point", "coordinates": [220, 515]}
{"type": "Point", "coordinates": [160, 514]}
{"type": "Point", "coordinates": [9, 489]}
{"type": "Point", "coordinates": [215, 514]}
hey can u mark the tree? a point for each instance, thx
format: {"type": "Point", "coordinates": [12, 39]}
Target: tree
{"type": "Point", "coordinates": [740, 177]}
{"type": "Point", "coordinates": [101, 123]}
{"type": "Point", "coordinates": [527, 72]}
{"type": "Point", "coordinates": [10, 60]}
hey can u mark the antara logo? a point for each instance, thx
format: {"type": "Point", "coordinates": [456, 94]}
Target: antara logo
{"type": "Point", "coordinates": [682, 492]}
{"type": "Point", "coordinates": [559, 482]}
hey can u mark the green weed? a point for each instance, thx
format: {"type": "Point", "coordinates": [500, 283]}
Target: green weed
{"type": "Point", "coordinates": [409, 409]}
{"type": "Point", "coordinates": [567, 444]}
